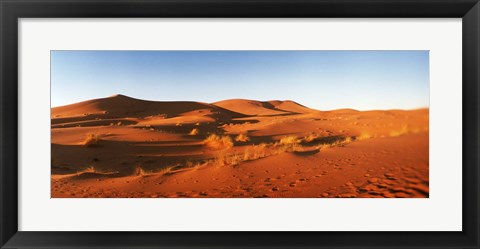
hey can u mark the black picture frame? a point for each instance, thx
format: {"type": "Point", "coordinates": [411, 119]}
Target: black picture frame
{"type": "Point", "coordinates": [12, 10]}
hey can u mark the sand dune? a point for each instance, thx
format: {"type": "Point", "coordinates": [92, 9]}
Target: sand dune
{"type": "Point", "coordinates": [124, 147]}
{"type": "Point", "coordinates": [262, 108]}
{"type": "Point", "coordinates": [124, 106]}
{"type": "Point", "coordinates": [290, 106]}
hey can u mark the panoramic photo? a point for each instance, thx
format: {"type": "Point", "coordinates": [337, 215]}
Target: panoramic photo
{"type": "Point", "coordinates": [240, 124]}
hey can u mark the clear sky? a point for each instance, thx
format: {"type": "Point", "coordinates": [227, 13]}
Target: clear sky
{"type": "Point", "coordinates": [324, 80]}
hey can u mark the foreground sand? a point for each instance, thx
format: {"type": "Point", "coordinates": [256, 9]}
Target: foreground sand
{"type": "Point", "coordinates": [148, 149]}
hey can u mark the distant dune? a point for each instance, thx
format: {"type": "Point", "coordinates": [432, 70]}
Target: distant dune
{"type": "Point", "coordinates": [265, 108]}
{"type": "Point", "coordinates": [121, 105]}
{"type": "Point", "coordinates": [125, 147]}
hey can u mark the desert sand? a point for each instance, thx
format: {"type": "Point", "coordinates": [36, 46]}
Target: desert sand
{"type": "Point", "coordinates": [123, 147]}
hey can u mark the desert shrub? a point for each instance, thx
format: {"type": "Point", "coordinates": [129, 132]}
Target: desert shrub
{"type": "Point", "coordinates": [194, 165]}
{"type": "Point", "coordinates": [400, 132]}
{"type": "Point", "coordinates": [242, 138]}
{"type": "Point", "coordinates": [289, 143]}
{"type": "Point", "coordinates": [139, 171]}
{"type": "Point", "coordinates": [364, 135]}
{"type": "Point", "coordinates": [346, 140]}
{"type": "Point", "coordinates": [247, 154]}
{"type": "Point", "coordinates": [165, 171]}
{"type": "Point", "coordinates": [338, 143]}
{"type": "Point", "coordinates": [288, 140]}
{"type": "Point", "coordinates": [310, 138]}
{"type": "Point", "coordinates": [220, 159]}
{"type": "Point", "coordinates": [259, 151]}
{"type": "Point", "coordinates": [90, 169]}
{"type": "Point", "coordinates": [194, 132]}
{"type": "Point", "coordinates": [225, 159]}
{"type": "Point", "coordinates": [91, 140]}
{"type": "Point", "coordinates": [234, 159]}
{"type": "Point", "coordinates": [216, 142]}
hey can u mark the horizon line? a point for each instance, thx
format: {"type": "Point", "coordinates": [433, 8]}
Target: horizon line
{"type": "Point", "coordinates": [213, 103]}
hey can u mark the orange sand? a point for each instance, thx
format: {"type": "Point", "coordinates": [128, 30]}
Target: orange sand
{"type": "Point", "coordinates": [148, 149]}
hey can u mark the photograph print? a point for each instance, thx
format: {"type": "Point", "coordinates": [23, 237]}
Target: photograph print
{"type": "Point", "coordinates": [240, 124]}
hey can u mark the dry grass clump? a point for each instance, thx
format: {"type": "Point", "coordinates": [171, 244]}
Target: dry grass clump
{"type": "Point", "coordinates": [194, 132]}
{"type": "Point", "coordinates": [232, 160]}
{"type": "Point", "coordinates": [254, 152]}
{"type": "Point", "coordinates": [289, 140]}
{"type": "Point", "coordinates": [289, 143]}
{"type": "Point", "coordinates": [95, 170]}
{"type": "Point", "coordinates": [218, 142]}
{"type": "Point", "coordinates": [247, 154]}
{"type": "Point", "coordinates": [225, 159]}
{"type": "Point", "coordinates": [259, 151]}
{"type": "Point", "coordinates": [400, 132]}
{"type": "Point", "coordinates": [194, 165]}
{"type": "Point", "coordinates": [90, 169]}
{"type": "Point", "coordinates": [139, 171]}
{"type": "Point", "coordinates": [337, 143]}
{"type": "Point", "coordinates": [311, 137]}
{"type": "Point", "coordinates": [91, 140]}
{"type": "Point", "coordinates": [364, 135]}
{"type": "Point", "coordinates": [235, 159]}
{"type": "Point", "coordinates": [165, 171]}
{"type": "Point", "coordinates": [242, 138]}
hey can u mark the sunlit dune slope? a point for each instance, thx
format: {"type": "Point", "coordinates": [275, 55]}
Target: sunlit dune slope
{"type": "Point", "coordinates": [124, 106]}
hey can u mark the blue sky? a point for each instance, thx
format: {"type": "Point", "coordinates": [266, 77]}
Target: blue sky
{"type": "Point", "coordinates": [324, 80]}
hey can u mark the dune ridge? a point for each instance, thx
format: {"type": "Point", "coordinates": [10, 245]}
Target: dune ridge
{"type": "Point", "coordinates": [123, 105]}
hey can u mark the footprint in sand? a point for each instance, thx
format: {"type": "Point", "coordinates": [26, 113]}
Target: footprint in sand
{"type": "Point", "coordinates": [388, 195]}
{"type": "Point", "coordinates": [412, 180]}
{"type": "Point", "coordinates": [347, 195]}
{"type": "Point", "coordinates": [373, 180]}
{"type": "Point", "coordinates": [420, 188]}
{"type": "Point", "coordinates": [382, 185]}
{"type": "Point", "coordinates": [401, 195]}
